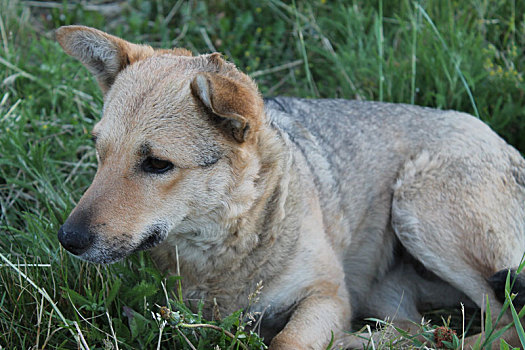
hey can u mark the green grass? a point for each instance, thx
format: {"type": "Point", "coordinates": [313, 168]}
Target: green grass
{"type": "Point", "coordinates": [451, 54]}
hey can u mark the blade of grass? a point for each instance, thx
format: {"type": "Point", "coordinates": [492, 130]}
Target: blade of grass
{"type": "Point", "coordinates": [416, 19]}
{"type": "Point", "coordinates": [380, 42]}
{"type": "Point", "coordinates": [302, 48]}
{"type": "Point", "coordinates": [488, 317]}
{"type": "Point", "coordinates": [517, 322]}
{"type": "Point", "coordinates": [44, 293]}
{"type": "Point", "coordinates": [453, 59]}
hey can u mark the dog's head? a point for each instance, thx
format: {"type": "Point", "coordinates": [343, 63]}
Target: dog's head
{"type": "Point", "coordinates": [170, 144]}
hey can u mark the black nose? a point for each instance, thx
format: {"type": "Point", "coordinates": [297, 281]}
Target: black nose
{"type": "Point", "coordinates": [75, 240]}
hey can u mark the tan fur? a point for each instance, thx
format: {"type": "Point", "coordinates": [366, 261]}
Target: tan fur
{"type": "Point", "coordinates": [315, 208]}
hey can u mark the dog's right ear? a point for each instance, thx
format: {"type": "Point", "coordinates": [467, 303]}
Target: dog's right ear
{"type": "Point", "coordinates": [103, 54]}
{"type": "Point", "coordinates": [238, 105]}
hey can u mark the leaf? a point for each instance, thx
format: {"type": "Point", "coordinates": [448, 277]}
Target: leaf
{"type": "Point", "coordinates": [517, 323]}
{"type": "Point", "coordinates": [77, 298]}
{"type": "Point", "coordinates": [331, 342]}
{"type": "Point", "coordinates": [522, 265]}
{"type": "Point", "coordinates": [230, 320]}
{"type": "Point", "coordinates": [447, 344]}
{"type": "Point", "coordinates": [113, 292]}
{"type": "Point", "coordinates": [488, 318]}
{"type": "Point", "coordinates": [138, 324]}
{"type": "Point", "coordinates": [121, 329]}
{"type": "Point", "coordinates": [455, 341]}
{"type": "Point", "coordinates": [150, 271]}
{"type": "Point", "coordinates": [477, 345]}
{"type": "Point", "coordinates": [141, 291]}
{"type": "Point", "coordinates": [498, 333]}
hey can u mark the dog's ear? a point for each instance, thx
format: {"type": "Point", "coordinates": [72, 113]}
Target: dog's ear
{"type": "Point", "coordinates": [103, 54]}
{"type": "Point", "coordinates": [239, 105]}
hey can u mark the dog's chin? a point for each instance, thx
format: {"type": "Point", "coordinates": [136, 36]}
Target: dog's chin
{"type": "Point", "coordinates": [104, 257]}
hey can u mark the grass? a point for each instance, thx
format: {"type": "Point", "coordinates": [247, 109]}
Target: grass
{"type": "Point", "coordinates": [450, 54]}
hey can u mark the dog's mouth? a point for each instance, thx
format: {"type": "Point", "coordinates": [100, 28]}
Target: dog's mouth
{"type": "Point", "coordinates": [107, 253]}
{"type": "Point", "coordinates": [154, 236]}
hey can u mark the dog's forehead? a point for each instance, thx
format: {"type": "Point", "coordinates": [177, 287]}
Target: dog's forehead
{"type": "Point", "coordinates": [152, 88]}
{"type": "Point", "coordinates": [151, 102]}
{"type": "Point", "coordinates": [148, 92]}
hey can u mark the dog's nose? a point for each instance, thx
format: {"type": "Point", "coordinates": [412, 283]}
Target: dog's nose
{"type": "Point", "coordinates": [76, 241]}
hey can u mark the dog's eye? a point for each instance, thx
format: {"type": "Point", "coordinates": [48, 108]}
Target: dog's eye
{"type": "Point", "coordinates": [156, 166]}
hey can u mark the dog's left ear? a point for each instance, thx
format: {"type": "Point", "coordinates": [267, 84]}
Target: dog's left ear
{"type": "Point", "coordinates": [102, 54]}
{"type": "Point", "coordinates": [239, 105]}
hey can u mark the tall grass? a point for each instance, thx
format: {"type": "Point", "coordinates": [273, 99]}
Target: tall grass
{"type": "Point", "coordinates": [464, 55]}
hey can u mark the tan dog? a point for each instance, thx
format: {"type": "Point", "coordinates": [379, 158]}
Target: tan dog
{"type": "Point", "coordinates": [343, 209]}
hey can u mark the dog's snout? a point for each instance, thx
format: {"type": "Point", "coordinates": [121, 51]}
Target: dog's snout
{"type": "Point", "coordinates": [75, 240]}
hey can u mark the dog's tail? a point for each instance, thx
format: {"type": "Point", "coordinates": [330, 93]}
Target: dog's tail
{"type": "Point", "coordinates": [517, 283]}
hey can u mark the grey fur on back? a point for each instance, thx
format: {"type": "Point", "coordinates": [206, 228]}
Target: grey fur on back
{"type": "Point", "coordinates": [370, 141]}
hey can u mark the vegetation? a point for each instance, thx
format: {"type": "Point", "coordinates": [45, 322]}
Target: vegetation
{"type": "Point", "coordinates": [452, 54]}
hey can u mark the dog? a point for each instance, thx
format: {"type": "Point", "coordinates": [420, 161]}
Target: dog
{"type": "Point", "coordinates": [343, 209]}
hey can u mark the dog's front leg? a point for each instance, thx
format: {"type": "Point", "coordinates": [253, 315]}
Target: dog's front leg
{"type": "Point", "coordinates": [323, 314]}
